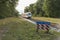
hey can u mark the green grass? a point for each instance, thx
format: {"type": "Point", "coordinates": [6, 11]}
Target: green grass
{"type": "Point", "coordinates": [53, 20]}
{"type": "Point", "coordinates": [18, 29]}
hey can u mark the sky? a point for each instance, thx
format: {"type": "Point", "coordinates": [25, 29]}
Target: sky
{"type": "Point", "coordinates": [23, 3]}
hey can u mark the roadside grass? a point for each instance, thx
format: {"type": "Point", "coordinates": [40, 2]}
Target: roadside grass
{"type": "Point", "coordinates": [19, 29]}
{"type": "Point", "coordinates": [53, 20]}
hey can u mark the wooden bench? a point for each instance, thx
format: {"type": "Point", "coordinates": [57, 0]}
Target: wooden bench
{"type": "Point", "coordinates": [43, 25]}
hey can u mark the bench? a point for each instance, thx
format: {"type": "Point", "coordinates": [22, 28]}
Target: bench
{"type": "Point", "coordinates": [43, 25]}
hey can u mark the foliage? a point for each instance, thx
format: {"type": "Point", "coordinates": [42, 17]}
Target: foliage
{"type": "Point", "coordinates": [7, 8]}
{"type": "Point", "coordinates": [46, 8]}
{"type": "Point", "coordinates": [52, 8]}
{"type": "Point", "coordinates": [36, 8]}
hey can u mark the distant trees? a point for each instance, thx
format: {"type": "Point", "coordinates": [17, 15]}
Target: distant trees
{"type": "Point", "coordinates": [46, 8]}
{"type": "Point", "coordinates": [26, 9]}
{"type": "Point", "coordinates": [52, 8]}
{"type": "Point", "coordinates": [7, 8]}
{"type": "Point", "coordinates": [36, 8]}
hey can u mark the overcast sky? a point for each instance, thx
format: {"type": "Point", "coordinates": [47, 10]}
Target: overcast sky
{"type": "Point", "coordinates": [23, 3]}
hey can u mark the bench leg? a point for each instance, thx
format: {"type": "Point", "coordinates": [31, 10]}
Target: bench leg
{"type": "Point", "coordinates": [37, 28]}
{"type": "Point", "coordinates": [47, 30]}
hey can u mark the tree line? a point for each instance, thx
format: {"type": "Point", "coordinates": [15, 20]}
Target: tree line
{"type": "Point", "coordinates": [7, 8]}
{"type": "Point", "coordinates": [45, 8]}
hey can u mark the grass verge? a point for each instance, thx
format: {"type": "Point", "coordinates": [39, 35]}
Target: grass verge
{"type": "Point", "coordinates": [18, 29]}
{"type": "Point", "coordinates": [53, 20]}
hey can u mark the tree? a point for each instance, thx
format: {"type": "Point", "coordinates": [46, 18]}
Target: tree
{"type": "Point", "coordinates": [26, 9]}
{"type": "Point", "coordinates": [52, 8]}
{"type": "Point", "coordinates": [46, 8]}
{"type": "Point", "coordinates": [36, 8]}
{"type": "Point", "coordinates": [7, 8]}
